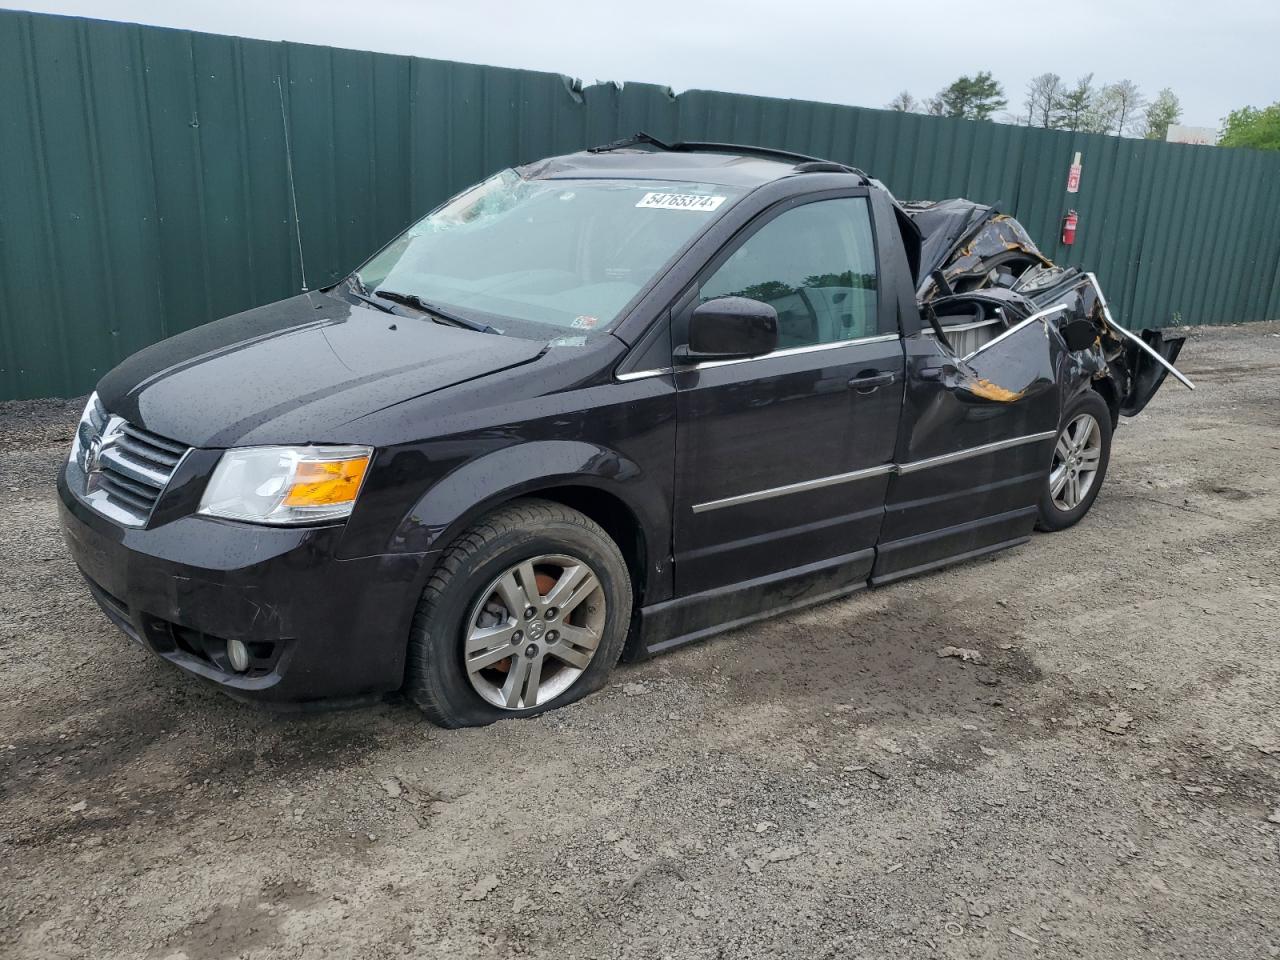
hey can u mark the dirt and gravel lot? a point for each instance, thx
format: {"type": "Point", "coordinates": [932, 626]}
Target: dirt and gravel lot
{"type": "Point", "coordinates": [821, 785]}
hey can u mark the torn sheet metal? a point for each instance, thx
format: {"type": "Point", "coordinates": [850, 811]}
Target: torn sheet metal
{"type": "Point", "coordinates": [983, 281]}
{"type": "Point", "coordinates": [966, 242]}
{"type": "Point", "coordinates": [1142, 344]}
{"type": "Point", "coordinates": [1018, 363]}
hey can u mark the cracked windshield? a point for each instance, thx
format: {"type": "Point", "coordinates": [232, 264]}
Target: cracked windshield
{"type": "Point", "coordinates": [541, 258]}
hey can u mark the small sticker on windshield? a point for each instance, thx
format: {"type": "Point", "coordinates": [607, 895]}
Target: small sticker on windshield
{"type": "Point", "coordinates": [679, 201]}
{"type": "Point", "coordinates": [584, 323]}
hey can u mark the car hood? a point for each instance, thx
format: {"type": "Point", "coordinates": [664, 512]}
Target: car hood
{"type": "Point", "coordinates": [296, 371]}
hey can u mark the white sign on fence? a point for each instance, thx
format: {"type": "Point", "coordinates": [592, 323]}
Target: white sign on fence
{"type": "Point", "coordinates": [1202, 135]}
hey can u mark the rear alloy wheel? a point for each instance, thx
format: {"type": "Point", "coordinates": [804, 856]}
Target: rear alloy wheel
{"type": "Point", "coordinates": [1080, 456]}
{"type": "Point", "coordinates": [1075, 462]}
{"type": "Point", "coordinates": [526, 611]}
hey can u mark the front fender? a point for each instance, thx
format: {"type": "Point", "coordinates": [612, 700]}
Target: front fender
{"type": "Point", "coordinates": [459, 498]}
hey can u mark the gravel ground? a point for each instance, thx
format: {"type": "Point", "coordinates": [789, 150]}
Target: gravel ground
{"type": "Point", "coordinates": [820, 785]}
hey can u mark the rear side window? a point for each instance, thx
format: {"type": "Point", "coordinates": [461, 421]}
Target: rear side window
{"type": "Point", "coordinates": [816, 265]}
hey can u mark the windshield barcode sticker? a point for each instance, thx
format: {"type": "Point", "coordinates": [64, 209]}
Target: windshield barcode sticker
{"type": "Point", "coordinates": [679, 201]}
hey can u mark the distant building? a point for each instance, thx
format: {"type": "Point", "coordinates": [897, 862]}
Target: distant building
{"type": "Point", "coordinates": [1202, 135]}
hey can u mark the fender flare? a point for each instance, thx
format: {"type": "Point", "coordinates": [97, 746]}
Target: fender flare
{"type": "Point", "coordinates": [454, 503]}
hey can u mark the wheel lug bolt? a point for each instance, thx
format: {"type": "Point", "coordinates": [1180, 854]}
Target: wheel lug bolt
{"type": "Point", "coordinates": [552, 636]}
{"type": "Point", "coordinates": [551, 613]}
{"type": "Point", "coordinates": [517, 636]}
{"type": "Point", "coordinates": [531, 651]}
{"type": "Point", "coordinates": [530, 613]}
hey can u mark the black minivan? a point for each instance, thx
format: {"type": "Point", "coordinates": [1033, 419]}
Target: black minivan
{"type": "Point", "coordinates": [608, 402]}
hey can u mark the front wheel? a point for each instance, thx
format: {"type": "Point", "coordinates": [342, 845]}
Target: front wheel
{"type": "Point", "coordinates": [526, 611]}
{"type": "Point", "coordinates": [1080, 457]}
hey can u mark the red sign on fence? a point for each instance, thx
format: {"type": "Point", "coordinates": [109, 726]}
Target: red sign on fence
{"type": "Point", "coordinates": [1073, 176]}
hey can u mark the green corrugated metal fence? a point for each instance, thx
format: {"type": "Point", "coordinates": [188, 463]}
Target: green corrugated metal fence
{"type": "Point", "coordinates": [144, 180]}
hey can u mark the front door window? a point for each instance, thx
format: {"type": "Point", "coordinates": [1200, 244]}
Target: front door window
{"type": "Point", "coordinates": [815, 265]}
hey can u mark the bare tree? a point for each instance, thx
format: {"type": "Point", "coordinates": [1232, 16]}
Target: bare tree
{"type": "Point", "coordinates": [1124, 105]}
{"type": "Point", "coordinates": [904, 102]}
{"type": "Point", "coordinates": [1043, 93]}
{"type": "Point", "coordinates": [1105, 111]}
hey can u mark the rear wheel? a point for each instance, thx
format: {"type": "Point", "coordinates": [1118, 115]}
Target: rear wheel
{"type": "Point", "coordinates": [1079, 465]}
{"type": "Point", "coordinates": [527, 611]}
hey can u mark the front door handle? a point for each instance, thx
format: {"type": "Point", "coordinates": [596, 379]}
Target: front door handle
{"type": "Point", "coordinates": [869, 381]}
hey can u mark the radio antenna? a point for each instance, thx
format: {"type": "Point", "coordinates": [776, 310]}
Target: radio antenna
{"type": "Point", "coordinates": [293, 193]}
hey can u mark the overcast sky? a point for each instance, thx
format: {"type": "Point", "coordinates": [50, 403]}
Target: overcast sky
{"type": "Point", "coordinates": [1215, 56]}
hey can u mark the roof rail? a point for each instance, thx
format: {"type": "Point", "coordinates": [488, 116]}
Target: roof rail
{"type": "Point", "coordinates": [804, 162]}
{"type": "Point", "coordinates": [636, 139]}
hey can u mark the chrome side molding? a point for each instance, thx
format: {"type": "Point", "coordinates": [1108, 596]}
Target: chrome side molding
{"type": "Point", "coordinates": [1036, 317]}
{"type": "Point", "coordinates": [878, 471]}
{"type": "Point", "coordinates": [785, 352]}
{"type": "Point", "coordinates": [795, 488]}
{"type": "Point", "coordinates": [970, 452]}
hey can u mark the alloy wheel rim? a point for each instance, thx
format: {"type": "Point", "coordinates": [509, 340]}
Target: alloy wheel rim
{"type": "Point", "coordinates": [533, 631]}
{"type": "Point", "coordinates": [1076, 459]}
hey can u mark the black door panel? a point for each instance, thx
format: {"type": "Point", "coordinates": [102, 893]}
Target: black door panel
{"type": "Point", "coordinates": [976, 442]}
{"type": "Point", "coordinates": [782, 462]}
{"type": "Point", "coordinates": [958, 511]}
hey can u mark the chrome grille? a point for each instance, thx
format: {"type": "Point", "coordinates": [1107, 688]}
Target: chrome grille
{"type": "Point", "coordinates": [122, 469]}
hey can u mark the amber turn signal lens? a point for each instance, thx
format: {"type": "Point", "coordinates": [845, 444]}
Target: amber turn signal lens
{"type": "Point", "coordinates": [318, 483]}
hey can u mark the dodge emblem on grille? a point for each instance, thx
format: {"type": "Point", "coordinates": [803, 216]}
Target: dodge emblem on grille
{"type": "Point", "coordinates": [91, 455]}
{"type": "Point", "coordinates": [99, 445]}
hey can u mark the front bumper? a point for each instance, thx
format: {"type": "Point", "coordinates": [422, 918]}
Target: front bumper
{"type": "Point", "coordinates": [319, 628]}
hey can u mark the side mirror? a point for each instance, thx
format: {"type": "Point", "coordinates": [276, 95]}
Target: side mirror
{"type": "Point", "coordinates": [730, 328]}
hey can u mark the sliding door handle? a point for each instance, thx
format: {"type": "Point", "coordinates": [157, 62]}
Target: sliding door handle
{"type": "Point", "coordinates": [869, 381]}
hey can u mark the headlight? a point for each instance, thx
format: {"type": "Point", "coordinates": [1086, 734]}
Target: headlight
{"type": "Point", "coordinates": [282, 485]}
{"type": "Point", "coordinates": [92, 420]}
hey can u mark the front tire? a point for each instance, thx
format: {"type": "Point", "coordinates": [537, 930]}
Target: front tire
{"type": "Point", "coordinates": [1081, 453]}
{"type": "Point", "coordinates": [526, 612]}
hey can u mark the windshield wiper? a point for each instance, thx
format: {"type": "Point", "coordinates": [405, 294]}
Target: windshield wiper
{"type": "Point", "coordinates": [440, 315]}
{"type": "Point", "coordinates": [358, 290]}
